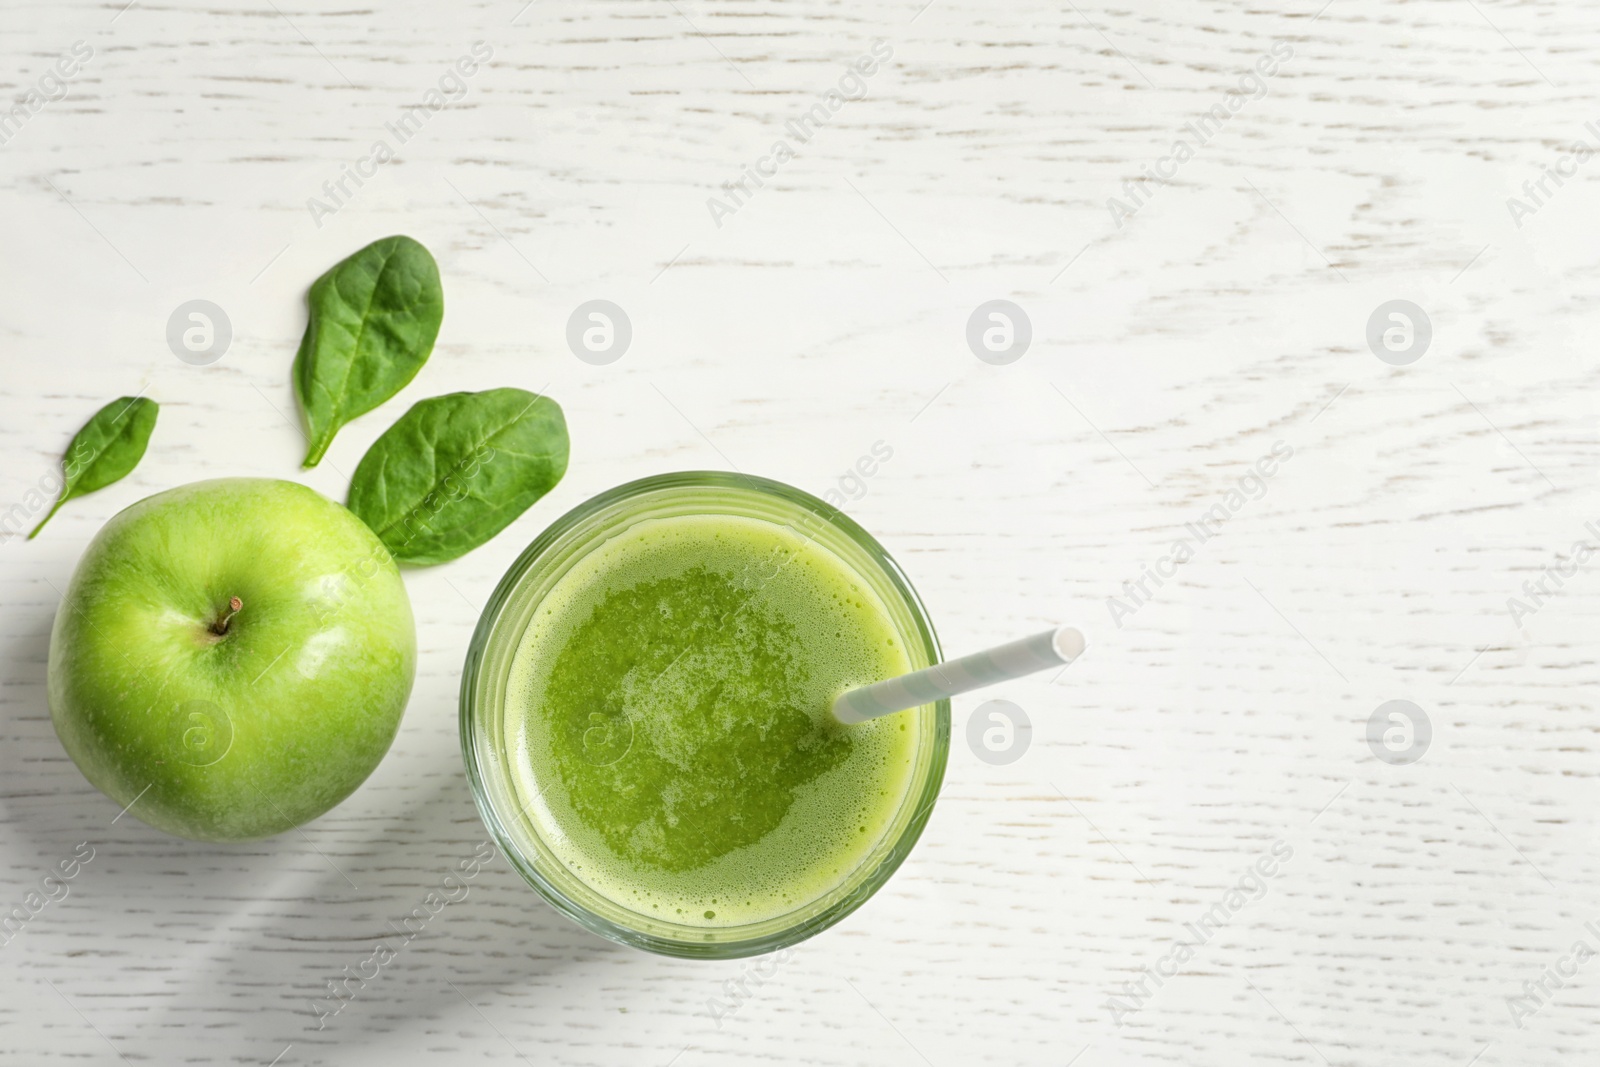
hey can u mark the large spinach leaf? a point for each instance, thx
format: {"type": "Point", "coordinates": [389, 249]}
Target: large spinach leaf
{"type": "Point", "coordinates": [105, 450]}
{"type": "Point", "coordinates": [455, 470]}
{"type": "Point", "coordinates": [373, 321]}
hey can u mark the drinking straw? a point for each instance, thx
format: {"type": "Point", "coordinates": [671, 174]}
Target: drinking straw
{"type": "Point", "coordinates": [944, 680]}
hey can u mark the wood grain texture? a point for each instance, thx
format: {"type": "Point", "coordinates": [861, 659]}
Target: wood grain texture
{"type": "Point", "coordinates": [826, 314]}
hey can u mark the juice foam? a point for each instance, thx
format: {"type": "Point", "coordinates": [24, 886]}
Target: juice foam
{"type": "Point", "coordinates": [668, 726]}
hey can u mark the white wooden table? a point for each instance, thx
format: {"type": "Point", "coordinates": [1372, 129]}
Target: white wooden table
{"type": "Point", "coordinates": [827, 312]}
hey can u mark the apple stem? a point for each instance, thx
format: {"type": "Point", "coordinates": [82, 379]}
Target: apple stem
{"type": "Point", "coordinates": [220, 627]}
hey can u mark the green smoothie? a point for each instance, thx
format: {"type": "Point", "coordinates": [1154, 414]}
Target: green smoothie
{"type": "Point", "coordinates": [667, 720]}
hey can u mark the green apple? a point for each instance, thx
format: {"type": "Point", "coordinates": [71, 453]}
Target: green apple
{"type": "Point", "coordinates": [232, 658]}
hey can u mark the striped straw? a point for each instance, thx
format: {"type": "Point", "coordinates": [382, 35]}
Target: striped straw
{"type": "Point", "coordinates": [944, 680]}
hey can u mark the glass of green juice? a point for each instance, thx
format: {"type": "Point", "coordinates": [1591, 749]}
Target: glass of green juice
{"type": "Point", "coordinates": [646, 723]}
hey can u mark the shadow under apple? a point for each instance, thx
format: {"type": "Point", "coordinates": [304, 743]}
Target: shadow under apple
{"type": "Point", "coordinates": [240, 941]}
{"type": "Point", "coordinates": [299, 925]}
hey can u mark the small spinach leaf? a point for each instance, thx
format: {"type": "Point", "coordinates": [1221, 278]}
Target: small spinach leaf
{"type": "Point", "coordinates": [373, 320]}
{"type": "Point", "coordinates": [105, 450]}
{"type": "Point", "coordinates": [457, 469]}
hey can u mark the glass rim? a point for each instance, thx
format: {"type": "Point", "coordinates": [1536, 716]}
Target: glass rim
{"type": "Point", "coordinates": [923, 790]}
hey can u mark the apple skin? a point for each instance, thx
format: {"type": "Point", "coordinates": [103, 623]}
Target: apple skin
{"type": "Point", "coordinates": [261, 728]}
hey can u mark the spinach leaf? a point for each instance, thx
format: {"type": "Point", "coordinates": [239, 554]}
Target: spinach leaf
{"type": "Point", "coordinates": [457, 469]}
{"type": "Point", "coordinates": [105, 450]}
{"type": "Point", "coordinates": [373, 321]}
